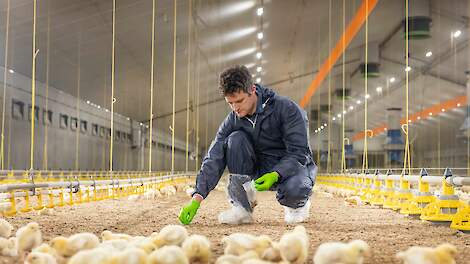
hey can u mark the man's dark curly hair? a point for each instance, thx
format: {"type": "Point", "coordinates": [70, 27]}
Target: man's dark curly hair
{"type": "Point", "coordinates": [234, 79]}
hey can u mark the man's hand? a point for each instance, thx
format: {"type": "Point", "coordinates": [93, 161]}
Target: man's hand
{"type": "Point", "coordinates": [189, 211]}
{"type": "Point", "coordinates": [265, 182]}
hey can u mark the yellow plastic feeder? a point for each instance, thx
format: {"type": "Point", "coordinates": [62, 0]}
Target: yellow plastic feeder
{"type": "Point", "coordinates": [420, 199]}
{"type": "Point", "coordinates": [461, 220]}
{"type": "Point", "coordinates": [445, 207]}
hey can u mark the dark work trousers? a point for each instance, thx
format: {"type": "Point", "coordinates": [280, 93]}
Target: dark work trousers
{"type": "Point", "coordinates": [244, 166]}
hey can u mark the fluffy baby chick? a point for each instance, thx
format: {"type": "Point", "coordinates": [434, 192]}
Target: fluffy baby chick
{"type": "Point", "coordinates": [108, 235]}
{"type": "Point", "coordinates": [115, 244]}
{"type": "Point", "coordinates": [5, 228]}
{"type": "Point", "coordinates": [232, 259]}
{"type": "Point", "coordinates": [293, 246]}
{"type": "Point", "coordinates": [67, 247]}
{"type": "Point", "coordinates": [145, 244]}
{"type": "Point", "coordinates": [39, 258]}
{"type": "Point", "coordinates": [131, 256]}
{"type": "Point", "coordinates": [442, 254]}
{"type": "Point", "coordinates": [8, 247]}
{"type": "Point", "coordinates": [337, 252]}
{"type": "Point", "coordinates": [168, 255]}
{"type": "Point", "coordinates": [353, 200]}
{"type": "Point", "coordinates": [45, 248]}
{"type": "Point", "coordinates": [93, 256]}
{"type": "Point", "coordinates": [170, 235]}
{"type": "Point", "coordinates": [189, 191]}
{"type": "Point", "coordinates": [272, 253]}
{"type": "Point", "coordinates": [28, 237]}
{"type": "Point", "coordinates": [239, 243]}
{"type": "Point", "coordinates": [133, 197]}
{"type": "Point", "coordinates": [46, 211]}
{"type": "Point", "coordinates": [197, 249]}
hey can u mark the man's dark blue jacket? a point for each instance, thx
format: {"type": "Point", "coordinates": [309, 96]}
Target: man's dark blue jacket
{"type": "Point", "coordinates": [278, 131]}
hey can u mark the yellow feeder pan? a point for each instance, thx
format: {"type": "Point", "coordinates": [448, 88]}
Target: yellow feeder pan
{"type": "Point", "coordinates": [461, 220]}
{"type": "Point", "coordinates": [420, 199]}
{"type": "Point", "coordinates": [445, 207]}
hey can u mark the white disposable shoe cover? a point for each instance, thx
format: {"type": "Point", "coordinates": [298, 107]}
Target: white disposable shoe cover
{"type": "Point", "coordinates": [298, 215]}
{"type": "Point", "coordinates": [235, 216]}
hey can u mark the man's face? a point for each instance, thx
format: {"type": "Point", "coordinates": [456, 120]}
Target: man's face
{"type": "Point", "coordinates": [241, 102]}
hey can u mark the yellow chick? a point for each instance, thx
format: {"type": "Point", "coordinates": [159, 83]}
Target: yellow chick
{"type": "Point", "coordinates": [8, 247]}
{"type": "Point", "coordinates": [272, 253]}
{"type": "Point", "coordinates": [337, 252]}
{"type": "Point", "coordinates": [144, 243]}
{"type": "Point", "coordinates": [442, 254]}
{"type": "Point", "coordinates": [67, 247]}
{"type": "Point", "coordinates": [131, 256]}
{"type": "Point", "coordinates": [45, 248]}
{"type": "Point", "coordinates": [40, 258]}
{"type": "Point", "coordinates": [5, 228]}
{"type": "Point", "coordinates": [93, 256]}
{"type": "Point", "coordinates": [170, 235]}
{"type": "Point", "coordinates": [189, 191]}
{"type": "Point", "coordinates": [197, 249]}
{"type": "Point", "coordinates": [353, 200]}
{"type": "Point", "coordinates": [168, 255]}
{"type": "Point", "coordinates": [232, 259]}
{"type": "Point", "coordinates": [239, 243]}
{"type": "Point", "coordinates": [28, 237]}
{"type": "Point", "coordinates": [133, 197]}
{"type": "Point", "coordinates": [108, 235]}
{"type": "Point", "coordinates": [293, 246]}
{"type": "Point", "coordinates": [117, 244]}
{"type": "Point", "coordinates": [46, 211]}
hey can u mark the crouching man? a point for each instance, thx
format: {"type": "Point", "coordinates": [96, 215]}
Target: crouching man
{"type": "Point", "coordinates": [263, 139]}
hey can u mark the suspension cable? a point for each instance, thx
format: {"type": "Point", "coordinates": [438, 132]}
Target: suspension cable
{"type": "Point", "coordinates": [5, 85]}
{"type": "Point", "coordinates": [113, 100]}
{"type": "Point", "coordinates": [151, 86]}
{"type": "Point", "coordinates": [174, 92]}
{"type": "Point", "coordinates": [365, 164]}
{"type": "Point", "coordinates": [33, 86]}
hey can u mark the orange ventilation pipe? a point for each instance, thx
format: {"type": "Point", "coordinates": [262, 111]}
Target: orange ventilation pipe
{"type": "Point", "coordinates": [426, 113]}
{"type": "Point", "coordinates": [354, 26]}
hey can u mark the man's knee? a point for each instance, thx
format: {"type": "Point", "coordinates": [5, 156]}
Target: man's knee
{"type": "Point", "coordinates": [240, 153]}
{"type": "Point", "coordinates": [236, 140]}
{"type": "Point", "coordinates": [295, 191]}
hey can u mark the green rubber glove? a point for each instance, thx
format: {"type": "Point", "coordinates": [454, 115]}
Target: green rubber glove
{"type": "Point", "coordinates": [265, 182]}
{"type": "Point", "coordinates": [188, 212]}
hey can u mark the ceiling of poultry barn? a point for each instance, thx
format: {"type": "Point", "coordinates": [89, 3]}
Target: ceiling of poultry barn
{"type": "Point", "coordinates": [298, 36]}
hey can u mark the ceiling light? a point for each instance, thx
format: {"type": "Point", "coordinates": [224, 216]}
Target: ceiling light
{"type": "Point", "coordinates": [88, 102]}
{"type": "Point", "coordinates": [259, 69]}
{"type": "Point", "coordinates": [258, 55]}
{"type": "Point", "coordinates": [430, 114]}
{"type": "Point", "coordinates": [408, 68]}
{"type": "Point", "coordinates": [11, 71]}
{"type": "Point", "coordinates": [358, 101]}
{"type": "Point", "coordinates": [379, 89]}
{"type": "Point", "coordinates": [392, 79]}
{"type": "Point", "coordinates": [128, 118]}
{"type": "Point", "coordinates": [260, 35]}
{"type": "Point", "coordinates": [99, 107]}
{"type": "Point", "coordinates": [344, 112]}
{"type": "Point", "coordinates": [106, 110]}
{"type": "Point", "coordinates": [321, 127]}
{"type": "Point", "coordinates": [334, 118]}
{"type": "Point", "coordinates": [367, 96]}
{"type": "Point", "coordinates": [316, 130]}
{"type": "Point", "coordinates": [458, 105]}
{"type": "Point", "coordinates": [258, 80]}
{"type": "Point", "coordinates": [325, 125]}
{"type": "Point", "coordinates": [419, 118]}
{"type": "Point", "coordinates": [260, 11]}
{"type": "Point", "coordinates": [351, 107]}
{"type": "Point", "coordinates": [429, 54]}
{"type": "Point", "coordinates": [457, 34]}
{"type": "Point", "coordinates": [339, 115]}
{"type": "Point", "coordinates": [409, 120]}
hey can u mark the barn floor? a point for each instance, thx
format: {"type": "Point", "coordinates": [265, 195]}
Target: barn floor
{"type": "Point", "coordinates": [386, 231]}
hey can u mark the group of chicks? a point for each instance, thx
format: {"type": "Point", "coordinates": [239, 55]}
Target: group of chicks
{"type": "Point", "coordinates": [173, 245]}
{"type": "Point", "coordinates": [167, 190]}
